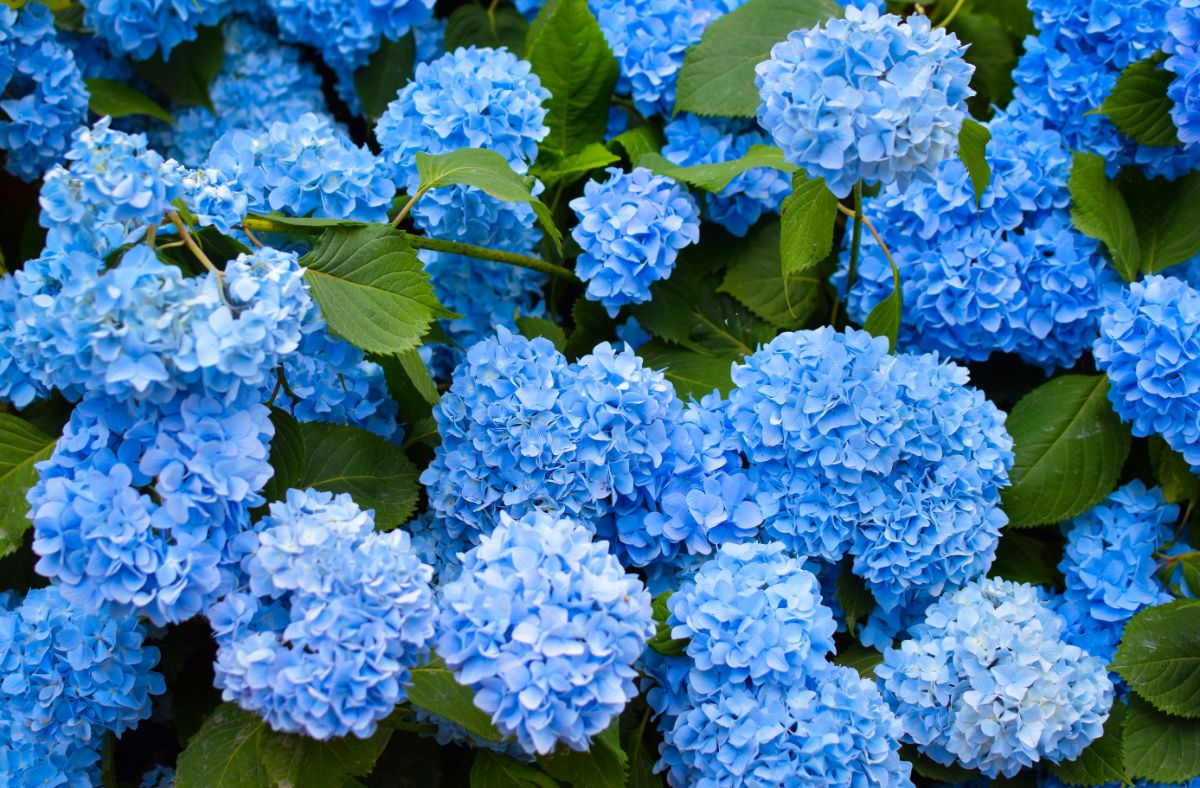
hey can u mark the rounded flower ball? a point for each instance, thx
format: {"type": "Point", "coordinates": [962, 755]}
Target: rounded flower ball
{"type": "Point", "coordinates": [545, 626]}
{"type": "Point", "coordinates": [868, 98]}
{"type": "Point", "coordinates": [631, 229]}
{"type": "Point", "coordinates": [987, 681]}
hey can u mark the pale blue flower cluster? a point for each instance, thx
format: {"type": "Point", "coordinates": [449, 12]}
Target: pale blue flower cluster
{"type": "Point", "coordinates": [141, 28]}
{"type": "Point", "coordinates": [347, 33]}
{"type": "Point", "coordinates": [67, 676]}
{"type": "Point", "coordinates": [1110, 568]}
{"type": "Point", "coordinates": [693, 140]}
{"type": "Point", "coordinates": [987, 682]}
{"type": "Point", "coordinates": [1183, 46]}
{"type": "Point", "coordinates": [327, 620]}
{"type": "Point", "coordinates": [545, 625]}
{"type": "Point", "coordinates": [158, 777]}
{"type": "Point", "coordinates": [44, 98]}
{"type": "Point", "coordinates": [631, 229]}
{"type": "Point", "coordinates": [1149, 346]}
{"type": "Point", "coordinates": [868, 98]}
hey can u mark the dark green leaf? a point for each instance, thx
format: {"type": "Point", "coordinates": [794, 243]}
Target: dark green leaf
{"type": "Point", "coordinates": [855, 599]}
{"type": "Point", "coordinates": [568, 53]}
{"type": "Point", "coordinates": [1159, 656]}
{"type": "Point", "coordinates": [637, 142]}
{"type": "Point", "coordinates": [474, 25]}
{"type": "Point", "coordinates": [410, 361]}
{"type": "Point", "coordinates": [972, 149]}
{"type": "Point", "coordinates": [434, 689]}
{"type": "Point", "coordinates": [21, 445]}
{"type": "Point", "coordinates": [642, 752]}
{"type": "Point", "coordinates": [1174, 475]}
{"type": "Point", "coordinates": [592, 326]}
{"type": "Point", "coordinates": [1160, 747]}
{"type": "Point", "coordinates": [372, 289]}
{"type": "Point", "coordinates": [754, 279]}
{"type": "Point", "coordinates": [1138, 105]}
{"type": "Point", "coordinates": [1069, 447]}
{"type": "Point", "coordinates": [692, 374]}
{"type": "Point", "coordinates": [108, 761]}
{"type": "Point", "coordinates": [1164, 217]}
{"type": "Point", "coordinates": [1103, 761]}
{"type": "Point", "coordinates": [1190, 567]}
{"type": "Point", "coordinates": [68, 15]}
{"type": "Point", "coordinates": [991, 49]}
{"type": "Point", "coordinates": [224, 753]}
{"type": "Point", "coordinates": [661, 641]}
{"type": "Point", "coordinates": [604, 765]}
{"type": "Point", "coordinates": [219, 248]}
{"type": "Point", "coordinates": [1099, 211]}
{"type": "Point", "coordinates": [492, 770]}
{"type": "Point", "coordinates": [300, 762]}
{"type": "Point", "coordinates": [117, 100]}
{"type": "Point", "coordinates": [715, 177]}
{"type": "Point", "coordinates": [884, 318]}
{"type": "Point", "coordinates": [807, 216]}
{"type": "Point", "coordinates": [298, 225]}
{"type": "Point", "coordinates": [718, 73]}
{"type": "Point", "coordinates": [861, 658]}
{"type": "Point", "coordinates": [927, 767]}
{"type": "Point", "coordinates": [1024, 557]}
{"type": "Point", "coordinates": [378, 82]}
{"type": "Point", "coordinates": [186, 76]}
{"type": "Point", "coordinates": [289, 455]}
{"type": "Point", "coordinates": [532, 327]}
{"type": "Point", "coordinates": [551, 169]}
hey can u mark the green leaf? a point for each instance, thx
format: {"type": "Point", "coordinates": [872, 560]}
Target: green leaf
{"type": "Point", "coordinates": [1159, 747]}
{"type": "Point", "coordinates": [692, 374]}
{"type": "Point", "coordinates": [118, 100]}
{"type": "Point", "coordinates": [410, 361]}
{"type": "Point", "coordinates": [344, 459]}
{"type": "Point", "coordinates": [300, 762]}
{"type": "Point", "coordinates": [1069, 447]}
{"type": "Point", "coordinates": [972, 149]}
{"type": "Point", "coordinates": [372, 289]}
{"type": "Point", "coordinates": [224, 753]}
{"type": "Point", "coordinates": [532, 327]}
{"type": "Point", "coordinates": [186, 76]}
{"type": "Point", "coordinates": [298, 225]}
{"type": "Point", "coordinates": [552, 169]}
{"type": "Point", "coordinates": [807, 216]}
{"type": "Point", "coordinates": [718, 73]}
{"type": "Point", "coordinates": [661, 641]}
{"type": "Point", "coordinates": [637, 142]}
{"type": "Point", "coordinates": [927, 767]}
{"type": "Point", "coordinates": [991, 49]}
{"type": "Point", "coordinates": [1103, 761]}
{"type": "Point", "coordinates": [474, 25]}
{"type": "Point", "coordinates": [378, 82]}
{"type": "Point", "coordinates": [592, 325]}
{"type": "Point", "coordinates": [1164, 217]}
{"type": "Point", "coordinates": [754, 279]}
{"type": "Point", "coordinates": [568, 53]}
{"type": "Point", "coordinates": [640, 747]}
{"type": "Point", "coordinates": [1159, 656]}
{"type": "Point", "coordinates": [603, 765]}
{"type": "Point", "coordinates": [289, 456]}
{"type": "Point", "coordinates": [855, 599]}
{"type": "Point", "coordinates": [861, 658]}
{"type": "Point", "coordinates": [1024, 557]}
{"type": "Point", "coordinates": [1099, 211]}
{"type": "Point", "coordinates": [488, 171]}
{"type": "Point", "coordinates": [1174, 475]}
{"type": "Point", "coordinates": [1191, 571]}
{"type": "Point", "coordinates": [715, 177]}
{"type": "Point", "coordinates": [884, 318]}
{"type": "Point", "coordinates": [1138, 105]}
{"type": "Point", "coordinates": [21, 446]}
{"type": "Point", "coordinates": [492, 770]}
{"type": "Point", "coordinates": [434, 689]}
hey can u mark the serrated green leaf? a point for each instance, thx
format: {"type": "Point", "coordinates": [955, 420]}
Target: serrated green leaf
{"type": "Point", "coordinates": [532, 327]}
{"type": "Point", "coordinates": [972, 150]}
{"type": "Point", "coordinates": [118, 100]}
{"type": "Point", "coordinates": [378, 82]}
{"type": "Point", "coordinates": [410, 361]}
{"type": "Point", "coordinates": [21, 446]}
{"type": "Point", "coordinates": [854, 598]}
{"type": "Point", "coordinates": [289, 455]}
{"type": "Point", "coordinates": [1024, 557]}
{"type": "Point", "coordinates": [754, 279]}
{"type": "Point", "coordinates": [692, 374]}
{"type": "Point", "coordinates": [1159, 656]}
{"type": "Point", "coordinates": [490, 172]}
{"type": "Point", "coordinates": [603, 765]}
{"type": "Point", "coordinates": [1160, 747]}
{"type": "Point", "coordinates": [551, 169]}
{"type": "Point", "coordinates": [1069, 448]}
{"type": "Point", "coordinates": [1103, 761]}
{"type": "Point", "coordinates": [715, 177]}
{"type": "Point", "coordinates": [1138, 105]}
{"type": "Point", "coordinates": [717, 78]}
{"type": "Point", "coordinates": [434, 689]}
{"type": "Point", "coordinates": [1164, 217]}
{"type": "Point", "coordinates": [474, 25]}
{"type": "Point", "coordinates": [884, 318]}
{"type": "Point", "coordinates": [1174, 475]}
{"type": "Point", "coordinates": [861, 658]}
{"type": "Point", "coordinates": [492, 770]}
{"type": "Point", "coordinates": [186, 76]}
{"type": "Point", "coordinates": [568, 53]}
{"type": "Point", "coordinates": [637, 142]}
{"type": "Point", "coordinates": [224, 752]}
{"type": "Point", "coordinates": [1099, 211]}
{"type": "Point", "coordinates": [300, 762]}
{"type": "Point", "coordinates": [642, 754]}
{"type": "Point", "coordinates": [372, 289]}
{"type": "Point", "coordinates": [807, 217]}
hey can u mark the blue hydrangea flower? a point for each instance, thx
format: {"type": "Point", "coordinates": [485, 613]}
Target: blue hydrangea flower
{"type": "Point", "coordinates": [140, 28]}
{"type": "Point", "coordinates": [327, 620]}
{"type": "Point", "coordinates": [158, 777]}
{"type": "Point", "coordinates": [868, 98]}
{"type": "Point", "coordinates": [631, 333]}
{"type": "Point", "coordinates": [95, 58]}
{"type": "Point", "coordinates": [545, 626]}
{"type": "Point", "coordinates": [69, 765]}
{"type": "Point", "coordinates": [631, 229]}
{"type": "Point", "coordinates": [1183, 46]}
{"type": "Point", "coordinates": [44, 98]}
{"type": "Point", "coordinates": [348, 33]}
{"type": "Point", "coordinates": [987, 681]}
{"type": "Point", "coordinates": [1148, 346]}
{"type": "Point", "coordinates": [692, 140]}
{"type": "Point", "coordinates": [436, 546]}
{"type": "Point", "coordinates": [214, 199]}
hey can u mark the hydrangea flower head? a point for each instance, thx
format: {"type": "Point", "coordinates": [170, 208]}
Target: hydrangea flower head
{"type": "Point", "coordinates": [327, 621]}
{"type": "Point", "coordinates": [868, 98]}
{"type": "Point", "coordinates": [141, 28]}
{"type": "Point", "coordinates": [987, 681]}
{"type": "Point", "coordinates": [545, 626]}
{"type": "Point", "coordinates": [631, 228]}
{"type": "Point", "coordinates": [347, 33]}
{"type": "Point", "coordinates": [1183, 46]}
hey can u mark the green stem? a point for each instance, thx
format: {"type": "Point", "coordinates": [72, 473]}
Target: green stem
{"type": "Point", "coordinates": [408, 206]}
{"type": "Point", "coordinates": [481, 253]}
{"type": "Point", "coordinates": [191, 244]}
{"type": "Point", "coordinates": [855, 247]}
{"type": "Point", "coordinates": [953, 13]}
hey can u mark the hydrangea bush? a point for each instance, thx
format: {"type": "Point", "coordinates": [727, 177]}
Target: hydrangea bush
{"type": "Point", "coordinates": [599, 393]}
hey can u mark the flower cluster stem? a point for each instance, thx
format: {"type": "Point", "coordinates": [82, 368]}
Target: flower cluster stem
{"type": "Point", "coordinates": [482, 253]}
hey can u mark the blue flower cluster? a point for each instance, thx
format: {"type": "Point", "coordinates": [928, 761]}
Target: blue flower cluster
{"type": "Point", "coordinates": [755, 701]}
{"type": "Point", "coordinates": [67, 676]}
{"type": "Point", "coordinates": [141, 28]}
{"type": "Point", "coordinates": [1150, 349]}
{"type": "Point", "coordinates": [44, 98]}
{"type": "Point", "coordinates": [545, 625]}
{"type": "Point", "coordinates": [868, 98]}
{"type": "Point", "coordinates": [158, 777]}
{"type": "Point", "coordinates": [1110, 568]}
{"type": "Point", "coordinates": [326, 621]}
{"type": "Point", "coordinates": [631, 228]}
{"type": "Point", "coordinates": [347, 33]}
{"type": "Point", "coordinates": [1183, 46]}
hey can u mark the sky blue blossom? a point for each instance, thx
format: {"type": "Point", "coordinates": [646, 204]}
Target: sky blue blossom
{"type": "Point", "coordinates": [1183, 45]}
{"type": "Point", "coordinates": [692, 140]}
{"type": "Point", "coordinates": [44, 98]}
{"type": "Point", "coordinates": [888, 114]}
{"type": "Point", "coordinates": [631, 228]}
{"type": "Point", "coordinates": [987, 681]}
{"type": "Point", "coordinates": [347, 34]}
{"type": "Point", "coordinates": [327, 620]}
{"type": "Point", "coordinates": [545, 626]}
{"type": "Point", "coordinates": [1149, 347]}
{"type": "Point", "coordinates": [141, 28]}
{"type": "Point", "coordinates": [158, 777]}
{"type": "Point", "coordinates": [69, 765]}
